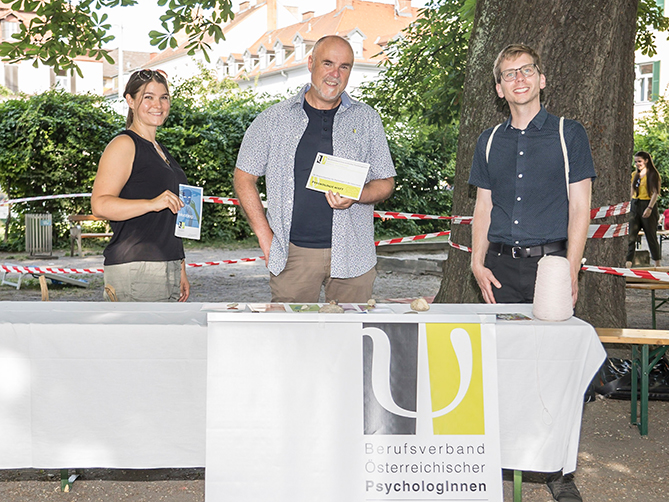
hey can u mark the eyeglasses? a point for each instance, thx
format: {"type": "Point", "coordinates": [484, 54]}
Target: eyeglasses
{"type": "Point", "coordinates": [146, 75]}
{"type": "Point", "coordinates": [527, 70]}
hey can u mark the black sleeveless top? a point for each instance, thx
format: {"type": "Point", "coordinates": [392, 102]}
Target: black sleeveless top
{"type": "Point", "coordinates": [149, 237]}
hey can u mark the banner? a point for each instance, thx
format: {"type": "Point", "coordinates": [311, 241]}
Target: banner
{"type": "Point", "coordinates": [304, 411]}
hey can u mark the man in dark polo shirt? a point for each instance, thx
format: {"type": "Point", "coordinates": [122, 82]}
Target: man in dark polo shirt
{"type": "Point", "coordinates": [525, 208]}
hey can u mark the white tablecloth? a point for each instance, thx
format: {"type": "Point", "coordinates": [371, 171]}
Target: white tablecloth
{"type": "Point", "coordinates": [102, 385]}
{"type": "Point", "coordinates": [123, 385]}
{"type": "Point", "coordinates": [543, 371]}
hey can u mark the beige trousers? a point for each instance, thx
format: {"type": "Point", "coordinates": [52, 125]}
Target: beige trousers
{"type": "Point", "coordinates": [307, 270]}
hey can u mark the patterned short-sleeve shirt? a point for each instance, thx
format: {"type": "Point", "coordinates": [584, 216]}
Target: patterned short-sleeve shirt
{"type": "Point", "coordinates": [268, 149]}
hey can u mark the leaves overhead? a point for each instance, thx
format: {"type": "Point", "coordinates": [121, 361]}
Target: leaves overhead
{"type": "Point", "coordinates": [650, 18]}
{"type": "Point", "coordinates": [63, 30]}
{"type": "Point", "coordinates": [426, 65]}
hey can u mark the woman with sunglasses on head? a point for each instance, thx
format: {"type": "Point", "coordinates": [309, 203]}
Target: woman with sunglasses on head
{"type": "Point", "coordinates": [136, 189]}
{"type": "Point", "coordinates": [643, 209]}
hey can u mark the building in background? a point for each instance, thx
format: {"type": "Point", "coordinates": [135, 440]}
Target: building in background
{"type": "Point", "coordinates": [251, 21]}
{"type": "Point", "coordinates": [651, 73]}
{"type": "Point", "coordinates": [277, 61]}
{"type": "Point", "coordinates": [110, 71]}
{"type": "Point", "coordinates": [24, 78]}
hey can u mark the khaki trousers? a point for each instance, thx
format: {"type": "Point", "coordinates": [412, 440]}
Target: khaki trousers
{"type": "Point", "coordinates": [145, 281]}
{"type": "Point", "coordinates": [307, 270]}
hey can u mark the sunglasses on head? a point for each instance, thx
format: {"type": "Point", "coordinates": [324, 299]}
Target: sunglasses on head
{"type": "Point", "coordinates": [146, 75]}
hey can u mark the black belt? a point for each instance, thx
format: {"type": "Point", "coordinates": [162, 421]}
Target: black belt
{"type": "Point", "coordinates": [527, 251]}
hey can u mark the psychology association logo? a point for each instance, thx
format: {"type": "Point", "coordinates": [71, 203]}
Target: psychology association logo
{"type": "Point", "coordinates": [423, 379]}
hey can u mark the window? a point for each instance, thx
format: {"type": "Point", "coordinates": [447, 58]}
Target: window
{"type": "Point", "coordinates": [63, 81]}
{"type": "Point", "coordinates": [279, 53]}
{"type": "Point", "coordinates": [9, 28]}
{"type": "Point", "coordinates": [12, 78]}
{"type": "Point", "coordinates": [647, 85]}
{"type": "Point", "coordinates": [300, 49]}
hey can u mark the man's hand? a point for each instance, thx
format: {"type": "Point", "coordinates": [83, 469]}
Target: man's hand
{"type": "Point", "coordinates": [265, 242]}
{"type": "Point", "coordinates": [336, 201]}
{"type": "Point", "coordinates": [249, 198]}
{"type": "Point", "coordinates": [486, 279]}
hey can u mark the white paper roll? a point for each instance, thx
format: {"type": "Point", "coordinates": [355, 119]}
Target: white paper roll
{"type": "Point", "coordinates": [552, 290]}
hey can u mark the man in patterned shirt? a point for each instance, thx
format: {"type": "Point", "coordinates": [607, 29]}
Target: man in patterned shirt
{"type": "Point", "coordinates": [311, 239]}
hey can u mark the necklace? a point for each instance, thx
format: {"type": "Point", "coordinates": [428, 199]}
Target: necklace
{"type": "Point", "coordinates": [155, 145]}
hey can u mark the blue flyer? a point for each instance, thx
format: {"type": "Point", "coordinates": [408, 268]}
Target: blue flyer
{"type": "Point", "coordinates": [189, 217]}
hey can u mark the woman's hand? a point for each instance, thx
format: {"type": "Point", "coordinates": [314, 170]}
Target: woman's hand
{"type": "Point", "coordinates": [647, 212]}
{"type": "Point", "coordinates": [168, 199]}
{"type": "Point", "coordinates": [185, 285]}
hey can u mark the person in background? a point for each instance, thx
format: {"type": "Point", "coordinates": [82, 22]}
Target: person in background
{"type": "Point", "coordinates": [644, 215]}
{"type": "Point", "coordinates": [664, 220]}
{"type": "Point", "coordinates": [136, 188]}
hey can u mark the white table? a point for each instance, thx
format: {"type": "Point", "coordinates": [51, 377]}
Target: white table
{"type": "Point", "coordinates": [102, 385]}
{"type": "Point", "coordinates": [123, 385]}
{"type": "Point", "coordinates": [543, 371]}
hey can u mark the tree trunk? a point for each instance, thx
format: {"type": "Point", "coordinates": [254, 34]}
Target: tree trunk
{"type": "Point", "coordinates": [588, 58]}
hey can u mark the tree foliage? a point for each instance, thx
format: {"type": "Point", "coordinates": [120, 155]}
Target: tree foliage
{"type": "Point", "coordinates": [650, 19]}
{"type": "Point", "coordinates": [63, 30]}
{"type": "Point", "coordinates": [424, 178]}
{"type": "Point", "coordinates": [205, 129]}
{"type": "Point", "coordinates": [425, 69]}
{"type": "Point", "coordinates": [50, 144]}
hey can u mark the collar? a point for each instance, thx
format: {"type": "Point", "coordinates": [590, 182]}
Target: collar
{"type": "Point", "coordinates": [538, 121]}
{"type": "Point", "coordinates": [298, 99]}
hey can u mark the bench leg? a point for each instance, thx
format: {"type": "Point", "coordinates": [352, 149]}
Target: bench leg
{"type": "Point", "coordinates": [636, 370]}
{"type": "Point", "coordinates": [517, 486]}
{"type": "Point", "coordinates": [652, 303]}
{"type": "Point", "coordinates": [645, 370]}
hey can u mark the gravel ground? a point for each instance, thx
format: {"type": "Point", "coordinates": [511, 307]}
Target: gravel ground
{"type": "Point", "coordinates": [615, 462]}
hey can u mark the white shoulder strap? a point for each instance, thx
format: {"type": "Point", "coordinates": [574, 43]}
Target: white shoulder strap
{"type": "Point", "coordinates": [565, 154]}
{"type": "Point", "coordinates": [489, 145]}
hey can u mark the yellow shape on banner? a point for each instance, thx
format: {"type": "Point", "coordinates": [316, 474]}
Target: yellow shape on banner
{"type": "Point", "coordinates": [468, 415]}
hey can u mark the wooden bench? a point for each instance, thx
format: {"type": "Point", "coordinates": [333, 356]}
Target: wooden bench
{"type": "Point", "coordinates": [643, 360]}
{"type": "Point", "coordinates": [652, 286]}
{"type": "Point", "coordinates": [75, 230]}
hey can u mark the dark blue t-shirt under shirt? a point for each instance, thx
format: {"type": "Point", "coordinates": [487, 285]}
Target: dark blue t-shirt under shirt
{"type": "Point", "coordinates": [311, 226]}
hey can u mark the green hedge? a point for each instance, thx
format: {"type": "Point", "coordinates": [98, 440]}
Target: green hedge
{"type": "Point", "coordinates": [51, 144]}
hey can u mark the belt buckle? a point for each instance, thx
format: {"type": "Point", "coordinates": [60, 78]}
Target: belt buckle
{"type": "Point", "coordinates": [514, 250]}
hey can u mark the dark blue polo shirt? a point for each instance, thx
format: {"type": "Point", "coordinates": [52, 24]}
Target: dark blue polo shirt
{"type": "Point", "coordinates": [311, 226]}
{"type": "Point", "coordinates": [526, 176]}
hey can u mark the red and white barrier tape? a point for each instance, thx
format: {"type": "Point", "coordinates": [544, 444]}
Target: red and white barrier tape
{"type": "Point", "coordinates": [629, 272]}
{"type": "Point", "coordinates": [600, 212]}
{"type": "Point", "coordinates": [15, 269]}
{"type": "Point", "coordinates": [44, 197]}
{"type": "Point", "coordinates": [607, 231]}
{"type": "Point", "coordinates": [393, 215]}
{"type": "Point", "coordinates": [606, 211]}
{"type": "Point", "coordinates": [224, 262]}
{"type": "Point", "coordinates": [460, 247]}
{"type": "Point", "coordinates": [220, 200]}
{"type": "Point", "coordinates": [399, 240]}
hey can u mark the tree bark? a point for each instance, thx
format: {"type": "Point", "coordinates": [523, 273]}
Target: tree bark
{"type": "Point", "coordinates": [588, 59]}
